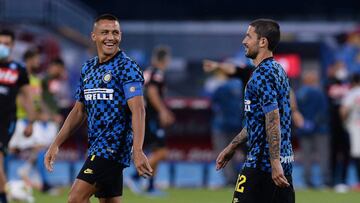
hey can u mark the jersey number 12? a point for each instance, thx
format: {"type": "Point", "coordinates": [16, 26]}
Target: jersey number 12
{"type": "Point", "coordinates": [240, 181]}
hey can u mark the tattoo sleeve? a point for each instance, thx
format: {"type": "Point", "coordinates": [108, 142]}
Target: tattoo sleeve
{"type": "Point", "coordinates": [273, 133]}
{"type": "Point", "coordinates": [240, 138]}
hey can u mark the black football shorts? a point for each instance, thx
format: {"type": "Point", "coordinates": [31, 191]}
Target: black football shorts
{"type": "Point", "coordinates": [106, 175]}
{"type": "Point", "coordinates": [254, 185]}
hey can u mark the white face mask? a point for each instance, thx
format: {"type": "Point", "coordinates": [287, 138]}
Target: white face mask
{"type": "Point", "coordinates": [341, 74]}
{"type": "Point", "coordinates": [4, 51]}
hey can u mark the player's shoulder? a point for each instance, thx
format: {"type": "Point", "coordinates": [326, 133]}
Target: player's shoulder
{"type": "Point", "coordinates": [89, 63]}
{"type": "Point", "coordinates": [267, 65]}
{"type": "Point", "coordinates": [123, 61]}
{"type": "Point", "coordinates": [270, 67]}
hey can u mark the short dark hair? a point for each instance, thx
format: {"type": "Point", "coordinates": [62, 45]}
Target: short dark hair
{"type": "Point", "coordinates": [7, 32]}
{"type": "Point", "coordinates": [161, 52]}
{"type": "Point", "coordinates": [106, 16]}
{"type": "Point", "coordinates": [57, 61]}
{"type": "Point", "coordinates": [30, 53]}
{"type": "Point", "coordinates": [269, 29]}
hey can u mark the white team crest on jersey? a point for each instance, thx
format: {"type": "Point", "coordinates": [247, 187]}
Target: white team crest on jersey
{"type": "Point", "coordinates": [107, 77]}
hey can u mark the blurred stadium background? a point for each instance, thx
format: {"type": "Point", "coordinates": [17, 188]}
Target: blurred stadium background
{"type": "Point", "coordinates": [314, 35]}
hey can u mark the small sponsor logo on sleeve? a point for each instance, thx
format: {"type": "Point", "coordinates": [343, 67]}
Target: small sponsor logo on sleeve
{"type": "Point", "coordinates": [132, 89]}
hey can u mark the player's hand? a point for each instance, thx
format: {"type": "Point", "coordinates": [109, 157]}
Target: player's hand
{"type": "Point", "coordinates": [209, 65]}
{"type": "Point", "coordinates": [28, 130]}
{"type": "Point", "coordinates": [277, 174]}
{"type": "Point", "coordinates": [50, 157]}
{"type": "Point", "coordinates": [166, 118]}
{"type": "Point", "coordinates": [298, 119]}
{"type": "Point", "coordinates": [142, 164]}
{"type": "Point", "coordinates": [224, 157]}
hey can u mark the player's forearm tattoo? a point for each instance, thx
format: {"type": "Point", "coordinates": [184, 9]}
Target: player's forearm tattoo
{"type": "Point", "coordinates": [240, 138]}
{"type": "Point", "coordinates": [273, 133]}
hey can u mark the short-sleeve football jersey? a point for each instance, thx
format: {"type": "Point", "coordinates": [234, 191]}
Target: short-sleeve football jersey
{"type": "Point", "coordinates": [104, 90]}
{"type": "Point", "coordinates": [12, 77]}
{"type": "Point", "coordinates": [268, 89]}
{"type": "Point", "coordinates": [154, 76]}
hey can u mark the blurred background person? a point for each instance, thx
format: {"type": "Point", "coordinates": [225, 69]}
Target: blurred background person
{"type": "Point", "coordinates": [313, 135]}
{"type": "Point", "coordinates": [350, 112]}
{"type": "Point", "coordinates": [227, 114]}
{"type": "Point", "coordinates": [158, 117]}
{"type": "Point", "coordinates": [337, 87]}
{"type": "Point", "coordinates": [56, 91]}
{"type": "Point", "coordinates": [13, 81]}
{"type": "Point", "coordinates": [44, 130]}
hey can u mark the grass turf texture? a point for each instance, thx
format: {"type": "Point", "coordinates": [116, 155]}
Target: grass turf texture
{"type": "Point", "coordinates": [212, 196]}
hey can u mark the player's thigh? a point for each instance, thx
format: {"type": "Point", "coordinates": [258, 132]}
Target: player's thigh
{"type": "Point", "coordinates": [81, 190]}
{"type": "Point", "coordinates": [247, 187]}
{"type": "Point", "coordinates": [106, 175]}
{"type": "Point", "coordinates": [285, 195]}
{"type": "Point", "coordinates": [274, 194]}
{"type": "Point", "coordinates": [110, 185]}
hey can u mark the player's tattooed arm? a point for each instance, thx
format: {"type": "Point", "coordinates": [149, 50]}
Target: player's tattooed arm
{"type": "Point", "coordinates": [240, 138]}
{"type": "Point", "coordinates": [273, 137]}
{"type": "Point", "coordinates": [273, 134]}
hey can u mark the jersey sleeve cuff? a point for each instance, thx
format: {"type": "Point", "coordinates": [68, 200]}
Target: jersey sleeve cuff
{"type": "Point", "coordinates": [270, 107]}
{"type": "Point", "coordinates": [133, 89]}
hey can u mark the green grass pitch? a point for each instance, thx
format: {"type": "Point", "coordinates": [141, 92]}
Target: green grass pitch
{"type": "Point", "coordinates": [213, 196]}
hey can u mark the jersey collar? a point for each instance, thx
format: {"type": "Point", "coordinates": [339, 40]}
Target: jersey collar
{"type": "Point", "coordinates": [265, 59]}
{"type": "Point", "coordinates": [111, 59]}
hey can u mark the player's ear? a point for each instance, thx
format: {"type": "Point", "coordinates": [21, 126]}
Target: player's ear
{"type": "Point", "coordinates": [93, 36]}
{"type": "Point", "coordinates": [263, 42]}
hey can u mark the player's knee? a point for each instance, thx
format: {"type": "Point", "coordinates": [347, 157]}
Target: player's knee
{"type": "Point", "coordinates": [75, 197]}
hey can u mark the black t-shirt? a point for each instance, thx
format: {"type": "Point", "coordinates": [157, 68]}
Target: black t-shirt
{"type": "Point", "coordinates": [243, 73]}
{"type": "Point", "coordinates": [12, 77]}
{"type": "Point", "coordinates": [156, 77]}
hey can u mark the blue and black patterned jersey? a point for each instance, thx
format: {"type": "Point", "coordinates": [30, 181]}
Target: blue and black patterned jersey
{"type": "Point", "coordinates": [268, 89]}
{"type": "Point", "coordinates": [104, 90]}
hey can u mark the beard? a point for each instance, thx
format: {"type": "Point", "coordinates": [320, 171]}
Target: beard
{"type": "Point", "coordinates": [251, 54]}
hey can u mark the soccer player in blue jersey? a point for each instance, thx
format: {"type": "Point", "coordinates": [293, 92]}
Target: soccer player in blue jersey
{"type": "Point", "coordinates": [110, 97]}
{"type": "Point", "coordinates": [266, 174]}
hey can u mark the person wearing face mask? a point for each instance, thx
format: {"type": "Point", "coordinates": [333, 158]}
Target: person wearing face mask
{"type": "Point", "coordinates": [337, 87]}
{"type": "Point", "coordinates": [14, 81]}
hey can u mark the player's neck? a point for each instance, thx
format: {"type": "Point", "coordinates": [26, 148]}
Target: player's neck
{"type": "Point", "coordinates": [261, 56]}
{"type": "Point", "coordinates": [104, 58]}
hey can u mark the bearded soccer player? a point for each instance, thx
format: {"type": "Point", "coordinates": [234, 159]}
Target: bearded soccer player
{"type": "Point", "coordinates": [13, 81]}
{"type": "Point", "coordinates": [266, 174]}
{"type": "Point", "coordinates": [110, 97]}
